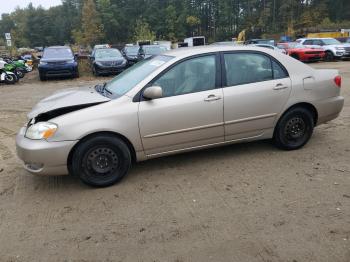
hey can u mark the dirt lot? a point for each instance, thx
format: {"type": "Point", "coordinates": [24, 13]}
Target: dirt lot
{"type": "Point", "coordinates": [246, 202]}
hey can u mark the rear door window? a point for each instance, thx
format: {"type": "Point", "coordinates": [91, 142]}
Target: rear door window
{"type": "Point", "coordinates": [245, 68]}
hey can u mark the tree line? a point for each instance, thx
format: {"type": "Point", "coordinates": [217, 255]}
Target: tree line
{"type": "Point", "coordinates": [88, 22]}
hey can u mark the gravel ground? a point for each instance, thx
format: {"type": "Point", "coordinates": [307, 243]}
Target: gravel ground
{"type": "Point", "coordinates": [246, 202]}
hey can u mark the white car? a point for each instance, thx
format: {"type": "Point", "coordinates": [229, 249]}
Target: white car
{"type": "Point", "coordinates": [334, 49]}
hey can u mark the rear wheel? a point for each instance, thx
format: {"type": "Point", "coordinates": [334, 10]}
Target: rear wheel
{"type": "Point", "coordinates": [329, 56]}
{"type": "Point", "coordinates": [101, 160]}
{"type": "Point", "coordinates": [19, 73]}
{"type": "Point", "coordinates": [294, 129]}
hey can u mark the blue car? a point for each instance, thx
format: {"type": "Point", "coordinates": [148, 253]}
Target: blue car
{"type": "Point", "coordinates": [58, 61]}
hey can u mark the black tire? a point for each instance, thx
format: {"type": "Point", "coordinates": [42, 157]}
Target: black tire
{"type": "Point", "coordinates": [295, 56]}
{"type": "Point", "coordinates": [329, 56]}
{"type": "Point", "coordinates": [294, 129]}
{"type": "Point", "coordinates": [19, 73]}
{"type": "Point", "coordinates": [10, 79]}
{"type": "Point", "coordinates": [101, 160]}
{"type": "Point", "coordinates": [95, 71]}
{"type": "Point", "coordinates": [42, 77]}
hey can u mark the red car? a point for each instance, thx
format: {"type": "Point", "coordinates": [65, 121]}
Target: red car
{"type": "Point", "coordinates": [302, 53]}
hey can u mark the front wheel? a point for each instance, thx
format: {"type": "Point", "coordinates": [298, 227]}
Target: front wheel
{"type": "Point", "coordinates": [294, 129]}
{"type": "Point", "coordinates": [101, 160]}
{"type": "Point", "coordinates": [10, 79]}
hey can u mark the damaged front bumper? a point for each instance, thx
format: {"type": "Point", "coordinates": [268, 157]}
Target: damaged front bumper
{"type": "Point", "coordinates": [43, 157]}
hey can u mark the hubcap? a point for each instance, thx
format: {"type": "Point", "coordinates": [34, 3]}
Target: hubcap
{"type": "Point", "coordinates": [102, 161]}
{"type": "Point", "coordinates": [295, 128]}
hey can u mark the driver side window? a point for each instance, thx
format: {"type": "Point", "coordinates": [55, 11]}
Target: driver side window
{"type": "Point", "coordinates": [190, 76]}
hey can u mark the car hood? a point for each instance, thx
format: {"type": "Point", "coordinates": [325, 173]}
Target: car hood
{"type": "Point", "coordinates": [69, 99]}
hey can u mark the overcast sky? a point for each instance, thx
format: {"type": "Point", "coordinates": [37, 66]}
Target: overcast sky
{"type": "Point", "coordinates": [7, 6]}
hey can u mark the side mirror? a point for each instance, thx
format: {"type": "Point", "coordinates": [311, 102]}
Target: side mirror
{"type": "Point", "coordinates": [153, 92]}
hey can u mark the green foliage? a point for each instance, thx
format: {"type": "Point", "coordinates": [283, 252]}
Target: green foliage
{"type": "Point", "coordinates": [143, 32]}
{"type": "Point", "coordinates": [119, 21]}
{"type": "Point", "coordinates": [91, 31]}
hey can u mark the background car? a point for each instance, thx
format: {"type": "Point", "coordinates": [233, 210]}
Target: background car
{"type": "Point", "coordinates": [132, 54]}
{"type": "Point", "coordinates": [260, 41]}
{"type": "Point", "coordinates": [150, 50]}
{"type": "Point", "coordinates": [105, 61]}
{"type": "Point", "coordinates": [333, 48]}
{"type": "Point", "coordinates": [272, 48]}
{"type": "Point", "coordinates": [58, 61]}
{"type": "Point", "coordinates": [303, 53]}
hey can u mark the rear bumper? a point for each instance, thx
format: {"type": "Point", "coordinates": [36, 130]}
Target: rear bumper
{"type": "Point", "coordinates": [329, 109]}
{"type": "Point", "coordinates": [42, 157]}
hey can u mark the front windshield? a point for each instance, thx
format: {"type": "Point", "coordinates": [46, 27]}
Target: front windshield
{"type": "Point", "coordinates": [154, 50]}
{"type": "Point", "coordinates": [331, 42]}
{"type": "Point", "coordinates": [107, 53]}
{"type": "Point", "coordinates": [58, 53]}
{"type": "Point", "coordinates": [127, 80]}
{"type": "Point", "coordinates": [132, 50]}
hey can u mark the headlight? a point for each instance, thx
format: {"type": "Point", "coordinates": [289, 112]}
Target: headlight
{"type": "Point", "coordinates": [41, 130]}
{"type": "Point", "coordinates": [43, 63]}
{"type": "Point", "coordinates": [340, 48]}
{"type": "Point", "coordinates": [71, 61]}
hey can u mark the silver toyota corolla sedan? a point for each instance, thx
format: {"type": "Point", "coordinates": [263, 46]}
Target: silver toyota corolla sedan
{"type": "Point", "coordinates": [182, 100]}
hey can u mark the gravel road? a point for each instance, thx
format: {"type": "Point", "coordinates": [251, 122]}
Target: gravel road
{"type": "Point", "coordinates": [247, 202]}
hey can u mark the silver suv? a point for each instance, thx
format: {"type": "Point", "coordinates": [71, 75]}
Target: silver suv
{"type": "Point", "coordinates": [334, 49]}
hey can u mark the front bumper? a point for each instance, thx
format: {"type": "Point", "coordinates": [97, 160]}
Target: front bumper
{"type": "Point", "coordinates": [312, 57]}
{"type": "Point", "coordinates": [110, 69]}
{"type": "Point", "coordinates": [58, 70]}
{"type": "Point", "coordinates": [43, 157]}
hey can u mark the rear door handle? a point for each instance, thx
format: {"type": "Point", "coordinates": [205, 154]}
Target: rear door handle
{"type": "Point", "coordinates": [212, 98]}
{"type": "Point", "coordinates": [280, 87]}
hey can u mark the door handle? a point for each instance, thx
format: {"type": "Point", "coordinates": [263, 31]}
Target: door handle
{"type": "Point", "coordinates": [212, 98]}
{"type": "Point", "coordinates": [280, 87]}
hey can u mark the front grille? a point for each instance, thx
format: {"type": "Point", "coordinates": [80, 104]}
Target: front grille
{"type": "Point", "coordinates": [347, 49]}
{"type": "Point", "coordinates": [59, 72]}
{"type": "Point", "coordinates": [57, 63]}
{"type": "Point", "coordinates": [111, 63]}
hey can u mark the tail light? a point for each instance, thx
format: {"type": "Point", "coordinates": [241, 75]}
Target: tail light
{"type": "Point", "coordinates": [337, 81]}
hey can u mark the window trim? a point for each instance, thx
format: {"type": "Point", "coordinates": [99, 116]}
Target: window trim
{"type": "Point", "coordinates": [218, 75]}
{"type": "Point", "coordinates": [270, 57]}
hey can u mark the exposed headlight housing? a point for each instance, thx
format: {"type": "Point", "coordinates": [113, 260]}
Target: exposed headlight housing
{"type": "Point", "coordinates": [41, 130]}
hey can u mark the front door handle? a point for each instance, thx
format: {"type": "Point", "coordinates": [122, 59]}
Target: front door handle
{"type": "Point", "coordinates": [212, 98]}
{"type": "Point", "coordinates": [280, 87]}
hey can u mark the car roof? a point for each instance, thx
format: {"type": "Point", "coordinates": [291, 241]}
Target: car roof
{"type": "Point", "coordinates": [59, 47]}
{"type": "Point", "coordinates": [189, 51]}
